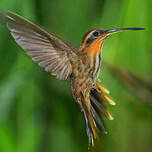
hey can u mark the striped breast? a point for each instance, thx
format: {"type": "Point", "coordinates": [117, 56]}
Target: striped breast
{"type": "Point", "coordinates": [96, 66]}
{"type": "Point", "coordinates": [94, 56]}
{"type": "Point", "coordinates": [89, 66]}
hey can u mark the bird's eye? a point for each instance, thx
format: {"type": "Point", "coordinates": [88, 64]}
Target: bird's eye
{"type": "Point", "coordinates": [96, 34]}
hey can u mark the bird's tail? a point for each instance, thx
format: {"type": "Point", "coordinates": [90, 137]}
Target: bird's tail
{"type": "Point", "coordinates": [94, 110]}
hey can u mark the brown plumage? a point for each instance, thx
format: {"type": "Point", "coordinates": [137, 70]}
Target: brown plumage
{"type": "Point", "coordinates": [64, 62]}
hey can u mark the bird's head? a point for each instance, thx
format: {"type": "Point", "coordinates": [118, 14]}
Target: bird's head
{"type": "Point", "coordinates": [93, 39]}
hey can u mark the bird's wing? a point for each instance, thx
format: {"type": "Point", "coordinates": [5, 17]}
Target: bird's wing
{"type": "Point", "coordinates": [44, 48]}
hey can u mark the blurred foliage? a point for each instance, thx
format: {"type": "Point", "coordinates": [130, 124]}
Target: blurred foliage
{"type": "Point", "coordinates": [38, 113]}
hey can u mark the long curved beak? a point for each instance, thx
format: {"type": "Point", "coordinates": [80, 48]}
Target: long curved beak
{"type": "Point", "coordinates": [110, 32]}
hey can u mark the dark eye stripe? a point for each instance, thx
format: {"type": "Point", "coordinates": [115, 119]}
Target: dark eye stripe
{"type": "Point", "coordinates": [96, 34]}
{"type": "Point", "coordinates": [93, 36]}
{"type": "Point", "coordinates": [89, 40]}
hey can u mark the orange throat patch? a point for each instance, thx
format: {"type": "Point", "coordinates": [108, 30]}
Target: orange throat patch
{"type": "Point", "coordinates": [95, 47]}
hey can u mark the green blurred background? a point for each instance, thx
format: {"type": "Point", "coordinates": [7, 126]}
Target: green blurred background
{"type": "Point", "coordinates": [38, 113]}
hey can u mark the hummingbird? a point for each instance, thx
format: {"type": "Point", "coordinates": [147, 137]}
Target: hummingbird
{"type": "Point", "coordinates": [64, 62]}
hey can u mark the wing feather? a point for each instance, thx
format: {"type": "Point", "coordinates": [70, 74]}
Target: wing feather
{"type": "Point", "coordinates": [44, 48]}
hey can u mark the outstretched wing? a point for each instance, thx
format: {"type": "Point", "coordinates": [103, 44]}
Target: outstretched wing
{"type": "Point", "coordinates": [44, 48]}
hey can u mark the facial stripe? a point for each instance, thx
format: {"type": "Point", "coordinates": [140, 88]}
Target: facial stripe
{"type": "Point", "coordinates": [87, 37]}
